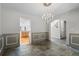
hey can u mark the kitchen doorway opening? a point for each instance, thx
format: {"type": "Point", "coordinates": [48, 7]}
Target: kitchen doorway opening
{"type": "Point", "coordinates": [25, 31]}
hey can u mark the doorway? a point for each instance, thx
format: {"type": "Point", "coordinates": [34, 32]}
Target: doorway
{"type": "Point", "coordinates": [25, 31]}
{"type": "Point", "coordinates": [58, 31]}
{"type": "Point", "coordinates": [62, 29]}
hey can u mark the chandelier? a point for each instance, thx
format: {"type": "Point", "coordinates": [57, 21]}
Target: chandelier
{"type": "Point", "coordinates": [47, 4]}
{"type": "Point", "coordinates": [48, 15]}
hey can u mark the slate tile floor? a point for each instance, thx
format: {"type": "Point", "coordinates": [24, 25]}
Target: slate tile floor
{"type": "Point", "coordinates": [44, 49]}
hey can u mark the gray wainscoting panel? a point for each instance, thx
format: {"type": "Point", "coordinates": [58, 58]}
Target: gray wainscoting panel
{"type": "Point", "coordinates": [39, 37]}
{"type": "Point", "coordinates": [1, 45]}
{"type": "Point", "coordinates": [11, 40]}
{"type": "Point", "coordinates": [74, 40]}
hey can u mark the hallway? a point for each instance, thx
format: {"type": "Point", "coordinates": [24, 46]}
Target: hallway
{"type": "Point", "coordinates": [44, 49]}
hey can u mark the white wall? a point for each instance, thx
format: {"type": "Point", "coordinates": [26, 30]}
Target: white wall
{"type": "Point", "coordinates": [72, 21]}
{"type": "Point", "coordinates": [0, 20]}
{"type": "Point", "coordinates": [11, 22]}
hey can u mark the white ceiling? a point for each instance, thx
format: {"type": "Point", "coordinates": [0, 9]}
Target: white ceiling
{"type": "Point", "coordinates": [38, 9]}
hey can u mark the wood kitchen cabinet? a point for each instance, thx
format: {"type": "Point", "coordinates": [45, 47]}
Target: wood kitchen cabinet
{"type": "Point", "coordinates": [24, 34]}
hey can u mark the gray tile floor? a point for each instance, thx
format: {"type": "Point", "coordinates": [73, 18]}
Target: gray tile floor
{"type": "Point", "coordinates": [46, 49]}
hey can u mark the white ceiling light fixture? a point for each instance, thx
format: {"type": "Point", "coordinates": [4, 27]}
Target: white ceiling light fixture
{"type": "Point", "coordinates": [47, 4]}
{"type": "Point", "coordinates": [48, 15]}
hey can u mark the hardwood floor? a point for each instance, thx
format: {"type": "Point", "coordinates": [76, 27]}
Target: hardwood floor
{"type": "Point", "coordinates": [46, 48]}
{"type": "Point", "coordinates": [24, 40]}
